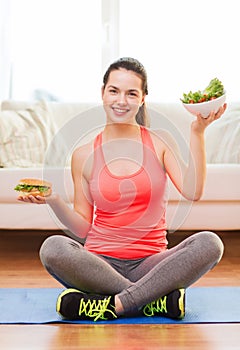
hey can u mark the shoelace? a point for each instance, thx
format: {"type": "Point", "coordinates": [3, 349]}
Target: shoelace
{"type": "Point", "coordinates": [157, 306]}
{"type": "Point", "coordinates": [95, 308]}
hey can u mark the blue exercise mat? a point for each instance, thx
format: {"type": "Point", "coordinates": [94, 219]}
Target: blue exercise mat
{"type": "Point", "coordinates": [37, 306]}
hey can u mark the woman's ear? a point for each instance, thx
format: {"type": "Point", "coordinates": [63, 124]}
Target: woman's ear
{"type": "Point", "coordinates": [143, 100]}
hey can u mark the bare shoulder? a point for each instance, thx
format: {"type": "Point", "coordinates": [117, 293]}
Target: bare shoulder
{"type": "Point", "coordinates": [82, 152]}
{"type": "Point", "coordinates": [164, 140]}
{"type": "Point", "coordinates": [161, 138]}
{"type": "Point", "coordinates": [82, 159]}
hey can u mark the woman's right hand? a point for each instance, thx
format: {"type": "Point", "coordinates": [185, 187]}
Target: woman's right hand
{"type": "Point", "coordinates": [38, 199]}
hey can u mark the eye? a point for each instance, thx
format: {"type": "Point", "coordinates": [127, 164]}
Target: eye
{"type": "Point", "coordinates": [112, 91]}
{"type": "Point", "coordinates": [133, 94]}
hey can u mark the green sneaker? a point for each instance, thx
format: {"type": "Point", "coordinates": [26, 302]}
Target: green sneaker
{"type": "Point", "coordinates": [171, 305]}
{"type": "Point", "coordinates": [74, 304]}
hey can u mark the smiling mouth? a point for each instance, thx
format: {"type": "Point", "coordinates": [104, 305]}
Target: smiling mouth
{"type": "Point", "coordinates": [120, 110]}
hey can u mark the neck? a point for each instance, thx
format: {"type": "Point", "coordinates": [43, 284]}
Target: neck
{"type": "Point", "coordinates": [121, 131]}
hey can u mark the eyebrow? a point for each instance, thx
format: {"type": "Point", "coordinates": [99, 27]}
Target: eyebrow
{"type": "Point", "coordinates": [112, 86]}
{"type": "Point", "coordinates": [115, 87]}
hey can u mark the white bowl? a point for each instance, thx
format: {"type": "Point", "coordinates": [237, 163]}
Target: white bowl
{"type": "Point", "coordinates": [205, 107]}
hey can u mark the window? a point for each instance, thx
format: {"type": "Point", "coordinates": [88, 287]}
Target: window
{"type": "Point", "coordinates": [183, 44]}
{"type": "Point", "coordinates": [56, 49]}
{"type": "Point", "coordinates": [60, 49]}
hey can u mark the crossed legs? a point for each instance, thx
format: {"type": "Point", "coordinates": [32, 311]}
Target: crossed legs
{"type": "Point", "coordinates": [151, 278]}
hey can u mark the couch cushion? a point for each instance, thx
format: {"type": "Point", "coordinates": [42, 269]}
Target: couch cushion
{"type": "Point", "coordinates": [222, 184]}
{"type": "Point", "coordinates": [12, 105]}
{"type": "Point", "coordinates": [25, 135]}
{"type": "Point", "coordinates": [222, 138]}
{"type": "Point", "coordinates": [61, 112]}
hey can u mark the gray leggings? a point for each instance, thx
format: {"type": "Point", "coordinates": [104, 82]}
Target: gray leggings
{"type": "Point", "coordinates": [136, 282]}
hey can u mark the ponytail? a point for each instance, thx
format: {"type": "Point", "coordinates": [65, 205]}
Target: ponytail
{"type": "Point", "coordinates": [142, 116]}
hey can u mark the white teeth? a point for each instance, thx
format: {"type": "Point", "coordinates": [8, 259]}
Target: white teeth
{"type": "Point", "coordinates": [120, 110]}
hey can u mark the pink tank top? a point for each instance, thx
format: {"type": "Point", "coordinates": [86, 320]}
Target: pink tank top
{"type": "Point", "coordinates": [130, 210]}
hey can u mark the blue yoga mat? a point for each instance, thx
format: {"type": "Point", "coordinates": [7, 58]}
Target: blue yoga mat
{"type": "Point", "coordinates": [37, 306]}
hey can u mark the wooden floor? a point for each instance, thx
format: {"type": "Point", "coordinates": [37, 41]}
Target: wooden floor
{"type": "Point", "coordinates": [20, 267]}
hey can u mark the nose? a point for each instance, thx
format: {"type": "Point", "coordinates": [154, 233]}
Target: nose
{"type": "Point", "coordinates": [121, 99]}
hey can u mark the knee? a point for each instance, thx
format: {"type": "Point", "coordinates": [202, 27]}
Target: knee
{"type": "Point", "coordinates": [213, 245]}
{"type": "Point", "coordinates": [51, 249]}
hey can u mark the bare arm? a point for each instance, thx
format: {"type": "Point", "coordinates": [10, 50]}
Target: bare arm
{"type": "Point", "coordinates": [79, 219]}
{"type": "Point", "coordinates": [189, 178]}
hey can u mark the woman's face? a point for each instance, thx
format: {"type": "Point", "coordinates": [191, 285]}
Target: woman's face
{"type": "Point", "coordinates": [122, 96]}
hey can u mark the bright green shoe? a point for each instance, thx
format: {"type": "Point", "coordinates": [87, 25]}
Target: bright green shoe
{"type": "Point", "coordinates": [74, 304]}
{"type": "Point", "coordinates": [171, 305]}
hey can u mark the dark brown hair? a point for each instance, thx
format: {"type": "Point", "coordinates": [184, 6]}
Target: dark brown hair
{"type": "Point", "coordinates": [135, 66]}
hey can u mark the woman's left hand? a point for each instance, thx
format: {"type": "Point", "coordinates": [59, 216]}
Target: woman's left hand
{"type": "Point", "coordinates": [200, 124]}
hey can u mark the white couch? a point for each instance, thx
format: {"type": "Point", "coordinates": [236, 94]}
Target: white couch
{"type": "Point", "coordinates": [37, 140]}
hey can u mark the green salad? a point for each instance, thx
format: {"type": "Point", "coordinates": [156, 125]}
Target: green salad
{"type": "Point", "coordinates": [214, 90]}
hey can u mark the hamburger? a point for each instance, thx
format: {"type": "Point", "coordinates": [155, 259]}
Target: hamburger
{"type": "Point", "coordinates": [34, 187]}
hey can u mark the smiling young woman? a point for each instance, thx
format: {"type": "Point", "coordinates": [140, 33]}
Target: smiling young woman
{"type": "Point", "coordinates": [120, 196]}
